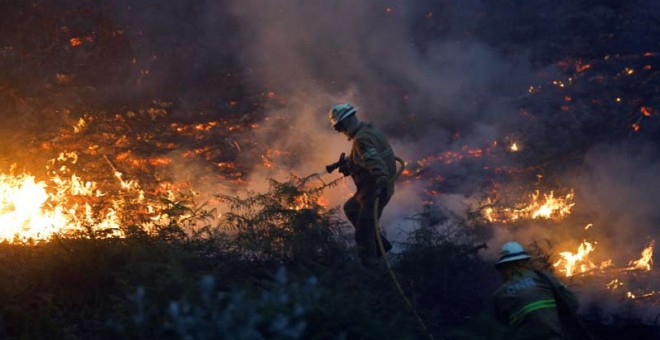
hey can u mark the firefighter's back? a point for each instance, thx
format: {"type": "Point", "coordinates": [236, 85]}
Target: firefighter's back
{"type": "Point", "coordinates": [526, 303]}
{"type": "Point", "coordinates": [369, 137]}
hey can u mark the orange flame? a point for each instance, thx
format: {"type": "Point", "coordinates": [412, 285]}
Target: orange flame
{"type": "Point", "coordinates": [28, 211]}
{"type": "Point", "coordinates": [75, 42]}
{"type": "Point", "coordinates": [581, 67]}
{"type": "Point", "coordinates": [642, 295]}
{"type": "Point", "coordinates": [646, 261]}
{"type": "Point", "coordinates": [646, 111]}
{"type": "Point", "coordinates": [548, 207]}
{"type": "Point", "coordinates": [301, 202]}
{"type": "Point", "coordinates": [614, 284]}
{"type": "Point", "coordinates": [552, 206]}
{"type": "Point", "coordinates": [579, 262]}
{"type": "Point", "coordinates": [65, 204]}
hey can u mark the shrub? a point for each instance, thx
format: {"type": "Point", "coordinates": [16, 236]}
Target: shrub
{"type": "Point", "coordinates": [278, 311]}
{"type": "Point", "coordinates": [286, 224]}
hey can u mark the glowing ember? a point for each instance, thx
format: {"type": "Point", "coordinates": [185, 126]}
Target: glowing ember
{"type": "Point", "coordinates": [271, 156]}
{"type": "Point", "coordinates": [581, 67]}
{"type": "Point", "coordinates": [646, 111]}
{"type": "Point", "coordinates": [75, 42]}
{"type": "Point", "coordinates": [451, 156]}
{"type": "Point", "coordinates": [301, 202]}
{"type": "Point", "coordinates": [646, 261]}
{"type": "Point", "coordinates": [614, 284]}
{"type": "Point", "coordinates": [643, 295]}
{"type": "Point", "coordinates": [558, 83]}
{"type": "Point", "coordinates": [80, 125]}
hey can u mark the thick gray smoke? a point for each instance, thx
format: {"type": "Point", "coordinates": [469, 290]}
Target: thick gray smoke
{"type": "Point", "coordinates": [366, 52]}
{"type": "Point", "coordinates": [317, 54]}
{"type": "Point", "coordinates": [435, 75]}
{"type": "Point", "coordinates": [620, 187]}
{"type": "Point", "coordinates": [424, 91]}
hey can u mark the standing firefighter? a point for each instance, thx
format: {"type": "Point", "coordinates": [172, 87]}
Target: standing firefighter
{"type": "Point", "coordinates": [372, 166]}
{"type": "Point", "coordinates": [531, 302]}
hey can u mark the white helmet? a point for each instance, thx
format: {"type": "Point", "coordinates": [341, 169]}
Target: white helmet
{"type": "Point", "coordinates": [341, 112]}
{"type": "Point", "coordinates": [512, 251]}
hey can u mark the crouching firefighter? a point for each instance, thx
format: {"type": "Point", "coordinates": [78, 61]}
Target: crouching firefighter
{"type": "Point", "coordinates": [534, 304]}
{"type": "Point", "coordinates": [372, 166]}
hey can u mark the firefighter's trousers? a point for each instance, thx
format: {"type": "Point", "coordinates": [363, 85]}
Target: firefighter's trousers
{"type": "Point", "coordinates": [359, 210]}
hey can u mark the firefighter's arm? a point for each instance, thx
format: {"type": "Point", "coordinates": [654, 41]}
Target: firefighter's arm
{"type": "Point", "coordinates": [497, 309]}
{"type": "Point", "coordinates": [567, 295]}
{"type": "Point", "coordinates": [345, 168]}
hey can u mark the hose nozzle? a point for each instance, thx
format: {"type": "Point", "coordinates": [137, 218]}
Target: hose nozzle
{"type": "Point", "coordinates": [332, 167]}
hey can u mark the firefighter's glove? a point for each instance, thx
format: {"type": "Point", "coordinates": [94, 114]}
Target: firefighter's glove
{"type": "Point", "coordinates": [345, 168]}
{"type": "Point", "coordinates": [382, 190]}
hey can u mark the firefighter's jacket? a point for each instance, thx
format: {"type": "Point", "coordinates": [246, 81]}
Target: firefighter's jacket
{"type": "Point", "coordinates": [527, 305]}
{"type": "Point", "coordinates": [372, 160]}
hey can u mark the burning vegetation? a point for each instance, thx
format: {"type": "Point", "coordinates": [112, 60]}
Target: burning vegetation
{"type": "Point", "coordinates": [547, 207]}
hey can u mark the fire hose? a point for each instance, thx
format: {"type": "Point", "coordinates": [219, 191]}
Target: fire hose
{"type": "Point", "coordinates": [387, 262]}
{"type": "Point", "coordinates": [341, 162]}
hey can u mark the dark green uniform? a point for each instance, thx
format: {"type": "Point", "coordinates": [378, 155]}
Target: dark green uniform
{"type": "Point", "coordinates": [372, 165]}
{"type": "Point", "coordinates": [526, 303]}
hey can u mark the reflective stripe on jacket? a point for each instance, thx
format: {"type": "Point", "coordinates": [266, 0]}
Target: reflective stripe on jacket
{"type": "Point", "coordinates": [519, 315]}
{"type": "Point", "coordinates": [526, 303]}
